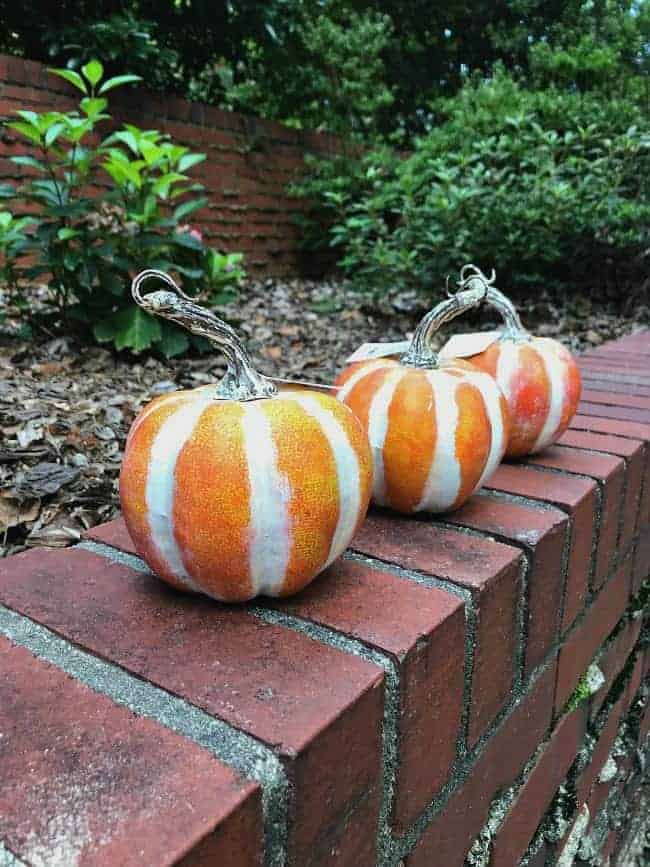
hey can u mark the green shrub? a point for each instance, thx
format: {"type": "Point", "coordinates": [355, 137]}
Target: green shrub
{"type": "Point", "coordinates": [87, 247]}
{"type": "Point", "coordinates": [546, 186]}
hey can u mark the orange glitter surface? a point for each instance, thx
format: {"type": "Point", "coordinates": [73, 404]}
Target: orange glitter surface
{"type": "Point", "coordinates": [410, 440]}
{"type": "Point", "coordinates": [362, 393]}
{"type": "Point", "coordinates": [473, 439]}
{"type": "Point", "coordinates": [133, 478]}
{"type": "Point", "coordinates": [211, 513]}
{"type": "Point", "coordinates": [306, 459]}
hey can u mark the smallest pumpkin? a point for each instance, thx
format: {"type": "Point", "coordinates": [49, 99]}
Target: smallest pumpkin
{"type": "Point", "coordinates": [539, 377]}
{"type": "Point", "coordinates": [437, 427]}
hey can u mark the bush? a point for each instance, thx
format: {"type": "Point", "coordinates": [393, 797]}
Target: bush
{"type": "Point", "coordinates": [542, 185]}
{"type": "Point", "coordinates": [88, 248]}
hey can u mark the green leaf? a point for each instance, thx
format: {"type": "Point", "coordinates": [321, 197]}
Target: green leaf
{"type": "Point", "coordinates": [118, 81]}
{"type": "Point", "coordinates": [183, 239]}
{"type": "Point", "coordinates": [28, 161]}
{"type": "Point", "coordinates": [27, 130]}
{"type": "Point", "coordinates": [66, 233]}
{"type": "Point", "coordinates": [73, 77]}
{"type": "Point", "coordinates": [53, 133]}
{"type": "Point", "coordinates": [93, 71]}
{"type": "Point", "coordinates": [130, 328]}
{"type": "Point", "coordinates": [188, 208]}
{"type": "Point", "coordinates": [174, 340]}
{"type": "Point", "coordinates": [93, 106]}
{"type": "Point", "coordinates": [186, 162]}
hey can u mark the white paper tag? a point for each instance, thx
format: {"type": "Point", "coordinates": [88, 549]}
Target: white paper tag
{"type": "Point", "coordinates": [466, 345]}
{"type": "Point", "coordinates": [379, 350]}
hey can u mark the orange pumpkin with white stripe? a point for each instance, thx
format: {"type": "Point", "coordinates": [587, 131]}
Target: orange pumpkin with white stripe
{"type": "Point", "coordinates": [437, 428]}
{"type": "Point", "coordinates": [539, 377]}
{"type": "Point", "coordinates": [245, 495]}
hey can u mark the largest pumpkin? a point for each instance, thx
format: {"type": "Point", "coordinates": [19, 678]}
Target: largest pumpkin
{"type": "Point", "coordinates": [246, 495]}
{"type": "Point", "coordinates": [437, 428]}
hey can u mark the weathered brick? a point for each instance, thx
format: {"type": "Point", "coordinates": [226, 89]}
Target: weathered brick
{"type": "Point", "coordinates": [320, 708]}
{"type": "Point", "coordinates": [598, 622]}
{"type": "Point", "coordinates": [423, 631]}
{"type": "Point", "coordinates": [613, 398]}
{"type": "Point", "coordinates": [575, 496]}
{"type": "Point", "coordinates": [609, 472]}
{"type": "Point", "coordinates": [634, 454]}
{"type": "Point", "coordinates": [452, 831]}
{"type": "Point", "coordinates": [87, 782]}
{"type": "Point", "coordinates": [613, 658]}
{"type": "Point", "coordinates": [490, 570]}
{"type": "Point", "coordinates": [641, 568]}
{"type": "Point", "coordinates": [625, 413]}
{"type": "Point", "coordinates": [594, 381]}
{"type": "Point", "coordinates": [542, 532]}
{"type": "Point", "coordinates": [533, 799]}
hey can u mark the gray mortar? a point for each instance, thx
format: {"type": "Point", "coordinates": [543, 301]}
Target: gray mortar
{"type": "Point", "coordinates": [568, 530]}
{"type": "Point", "coordinates": [246, 755]}
{"type": "Point", "coordinates": [470, 627]}
{"type": "Point", "coordinates": [332, 638]}
{"type": "Point", "coordinates": [390, 738]}
{"type": "Point", "coordinates": [410, 838]}
{"type": "Point", "coordinates": [600, 487]}
{"type": "Point", "coordinates": [8, 859]}
{"type": "Point", "coordinates": [626, 462]}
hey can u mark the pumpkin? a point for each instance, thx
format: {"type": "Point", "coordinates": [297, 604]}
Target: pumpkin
{"type": "Point", "coordinates": [437, 427]}
{"type": "Point", "coordinates": [236, 490]}
{"type": "Point", "coordinates": [539, 377]}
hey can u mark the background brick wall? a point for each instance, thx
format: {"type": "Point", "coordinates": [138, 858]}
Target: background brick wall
{"type": "Point", "coordinates": [249, 163]}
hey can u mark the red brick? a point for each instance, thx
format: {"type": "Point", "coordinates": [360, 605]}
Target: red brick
{"type": "Point", "coordinates": [634, 454]}
{"type": "Point", "coordinates": [600, 619]}
{"type": "Point", "coordinates": [542, 533]}
{"type": "Point", "coordinates": [593, 381]}
{"type": "Point", "coordinates": [578, 498]}
{"type": "Point", "coordinates": [488, 569]}
{"type": "Point", "coordinates": [641, 568]}
{"type": "Point", "coordinates": [533, 799]}
{"type": "Point", "coordinates": [86, 782]}
{"type": "Point", "coordinates": [319, 708]}
{"type": "Point", "coordinates": [604, 371]}
{"type": "Point", "coordinates": [613, 658]}
{"type": "Point", "coordinates": [613, 398]}
{"type": "Point", "coordinates": [588, 777]}
{"type": "Point", "coordinates": [450, 835]}
{"type": "Point", "coordinates": [626, 413]}
{"type": "Point", "coordinates": [609, 472]}
{"type": "Point", "coordinates": [423, 631]}
{"type": "Point", "coordinates": [618, 427]}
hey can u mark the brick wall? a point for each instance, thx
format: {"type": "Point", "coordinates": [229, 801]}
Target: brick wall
{"type": "Point", "coordinates": [249, 163]}
{"type": "Point", "coordinates": [421, 704]}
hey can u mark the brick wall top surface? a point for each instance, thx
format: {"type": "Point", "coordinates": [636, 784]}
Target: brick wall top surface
{"type": "Point", "coordinates": [383, 709]}
{"type": "Point", "coordinates": [82, 779]}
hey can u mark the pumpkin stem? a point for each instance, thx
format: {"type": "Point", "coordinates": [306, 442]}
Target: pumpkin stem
{"type": "Point", "coordinates": [241, 380]}
{"type": "Point", "coordinates": [514, 330]}
{"type": "Point", "coordinates": [474, 288]}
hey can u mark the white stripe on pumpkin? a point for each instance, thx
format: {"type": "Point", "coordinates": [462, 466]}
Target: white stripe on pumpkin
{"type": "Point", "coordinates": [174, 432]}
{"type": "Point", "coordinates": [491, 394]}
{"type": "Point", "coordinates": [443, 482]}
{"type": "Point", "coordinates": [347, 472]}
{"type": "Point", "coordinates": [378, 428]}
{"type": "Point", "coordinates": [556, 371]}
{"type": "Point", "coordinates": [270, 493]}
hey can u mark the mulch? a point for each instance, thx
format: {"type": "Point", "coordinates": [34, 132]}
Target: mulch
{"type": "Point", "coordinates": [66, 408]}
